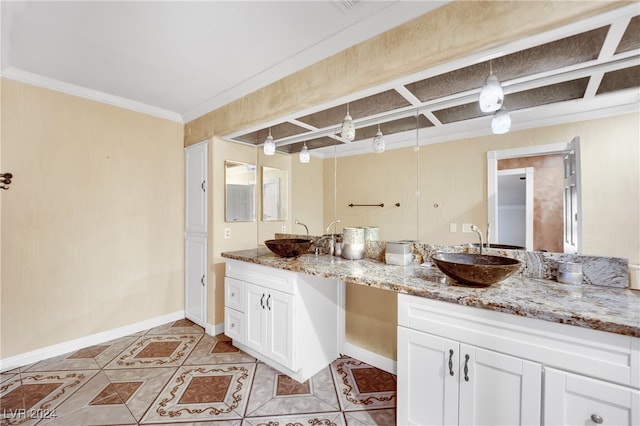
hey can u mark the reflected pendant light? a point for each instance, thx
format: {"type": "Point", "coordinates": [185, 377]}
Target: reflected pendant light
{"type": "Point", "coordinates": [348, 128]}
{"type": "Point", "coordinates": [378, 142]}
{"type": "Point", "coordinates": [491, 95]}
{"type": "Point", "coordinates": [501, 122]}
{"type": "Point", "coordinates": [269, 146]}
{"type": "Point", "coordinates": [304, 154]}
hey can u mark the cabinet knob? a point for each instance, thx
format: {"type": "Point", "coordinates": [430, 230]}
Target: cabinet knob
{"type": "Point", "coordinates": [596, 419]}
{"type": "Point", "coordinates": [233, 325]}
{"type": "Point", "coordinates": [233, 294]}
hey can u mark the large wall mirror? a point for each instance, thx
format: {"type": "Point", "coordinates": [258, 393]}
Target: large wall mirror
{"type": "Point", "coordinates": [240, 192]}
{"type": "Point", "coordinates": [274, 194]}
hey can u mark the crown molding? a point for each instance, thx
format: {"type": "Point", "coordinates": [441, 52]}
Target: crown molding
{"type": "Point", "coordinates": [83, 92]}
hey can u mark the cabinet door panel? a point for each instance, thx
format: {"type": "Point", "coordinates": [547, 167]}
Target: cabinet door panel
{"type": "Point", "coordinates": [498, 389]}
{"type": "Point", "coordinates": [427, 392]}
{"type": "Point", "coordinates": [280, 308]}
{"type": "Point", "coordinates": [256, 318]}
{"type": "Point", "coordinates": [576, 400]}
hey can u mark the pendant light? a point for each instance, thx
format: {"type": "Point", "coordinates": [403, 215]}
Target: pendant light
{"type": "Point", "coordinates": [501, 122]}
{"type": "Point", "coordinates": [378, 142]}
{"type": "Point", "coordinates": [491, 95]}
{"type": "Point", "coordinates": [269, 146]}
{"type": "Point", "coordinates": [304, 154]}
{"type": "Point", "coordinates": [348, 128]}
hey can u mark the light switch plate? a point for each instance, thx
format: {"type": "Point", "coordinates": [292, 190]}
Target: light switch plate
{"type": "Point", "coordinates": [453, 227]}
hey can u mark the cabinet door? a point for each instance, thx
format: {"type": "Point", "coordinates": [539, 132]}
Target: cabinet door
{"type": "Point", "coordinates": [195, 289]}
{"type": "Point", "coordinates": [427, 379]}
{"type": "Point", "coordinates": [196, 161]}
{"type": "Point", "coordinates": [255, 317]}
{"type": "Point", "coordinates": [497, 389]}
{"type": "Point", "coordinates": [571, 399]}
{"type": "Point", "coordinates": [280, 311]}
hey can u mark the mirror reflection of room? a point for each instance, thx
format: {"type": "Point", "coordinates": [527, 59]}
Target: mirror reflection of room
{"type": "Point", "coordinates": [240, 192]}
{"type": "Point", "coordinates": [274, 194]}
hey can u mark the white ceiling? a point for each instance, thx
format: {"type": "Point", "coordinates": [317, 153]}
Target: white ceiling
{"type": "Point", "coordinates": [176, 59]}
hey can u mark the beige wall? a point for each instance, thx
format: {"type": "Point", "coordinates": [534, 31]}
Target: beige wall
{"type": "Point", "coordinates": [453, 176]}
{"type": "Point", "coordinates": [92, 227]}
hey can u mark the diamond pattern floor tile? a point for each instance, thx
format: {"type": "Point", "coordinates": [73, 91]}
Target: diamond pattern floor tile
{"type": "Point", "coordinates": [175, 374]}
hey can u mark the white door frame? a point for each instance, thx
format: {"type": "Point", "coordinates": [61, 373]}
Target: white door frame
{"type": "Point", "coordinates": [528, 151]}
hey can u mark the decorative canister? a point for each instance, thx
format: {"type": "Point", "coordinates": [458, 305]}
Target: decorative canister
{"type": "Point", "coordinates": [371, 233]}
{"type": "Point", "coordinates": [353, 246]}
{"type": "Point", "coordinates": [569, 273]}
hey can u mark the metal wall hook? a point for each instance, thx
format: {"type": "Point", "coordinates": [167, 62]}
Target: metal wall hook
{"type": "Point", "coordinates": [5, 179]}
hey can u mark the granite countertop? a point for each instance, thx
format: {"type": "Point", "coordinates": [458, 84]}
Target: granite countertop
{"type": "Point", "coordinates": [614, 310]}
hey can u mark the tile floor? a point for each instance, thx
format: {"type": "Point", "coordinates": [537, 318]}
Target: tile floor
{"type": "Point", "coordinates": [177, 374]}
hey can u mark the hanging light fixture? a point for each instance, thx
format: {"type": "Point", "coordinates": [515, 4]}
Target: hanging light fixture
{"type": "Point", "coordinates": [348, 128]}
{"type": "Point", "coordinates": [491, 95]}
{"type": "Point", "coordinates": [269, 146]}
{"type": "Point", "coordinates": [304, 154]}
{"type": "Point", "coordinates": [378, 141]}
{"type": "Point", "coordinates": [501, 122]}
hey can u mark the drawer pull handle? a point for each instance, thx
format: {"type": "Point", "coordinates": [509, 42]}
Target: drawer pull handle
{"type": "Point", "coordinates": [451, 362]}
{"type": "Point", "coordinates": [202, 281]}
{"type": "Point", "coordinates": [268, 305]}
{"type": "Point", "coordinates": [466, 368]}
{"type": "Point", "coordinates": [596, 419]}
{"type": "Point", "coordinates": [262, 301]}
{"type": "Point", "coordinates": [233, 295]}
{"type": "Point", "coordinates": [233, 325]}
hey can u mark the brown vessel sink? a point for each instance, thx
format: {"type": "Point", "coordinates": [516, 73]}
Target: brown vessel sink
{"type": "Point", "coordinates": [289, 247]}
{"type": "Point", "coordinates": [475, 269]}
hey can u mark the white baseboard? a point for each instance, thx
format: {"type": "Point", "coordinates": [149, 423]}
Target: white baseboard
{"type": "Point", "coordinates": [83, 342]}
{"type": "Point", "coordinates": [214, 330]}
{"type": "Point", "coordinates": [371, 358]}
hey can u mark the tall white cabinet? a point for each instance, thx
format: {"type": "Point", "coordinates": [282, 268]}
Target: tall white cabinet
{"type": "Point", "coordinates": [469, 366]}
{"type": "Point", "coordinates": [195, 235]}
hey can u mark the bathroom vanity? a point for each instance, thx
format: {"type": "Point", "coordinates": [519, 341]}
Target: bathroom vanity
{"type": "Point", "coordinates": [523, 351]}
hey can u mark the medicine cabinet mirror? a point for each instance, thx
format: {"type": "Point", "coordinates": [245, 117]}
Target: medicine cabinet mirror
{"type": "Point", "coordinates": [240, 192]}
{"type": "Point", "coordinates": [274, 194]}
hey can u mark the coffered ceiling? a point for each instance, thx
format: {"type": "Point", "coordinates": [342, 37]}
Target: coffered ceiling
{"type": "Point", "coordinates": [582, 71]}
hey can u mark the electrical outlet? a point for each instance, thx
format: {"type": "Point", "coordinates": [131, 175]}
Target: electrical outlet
{"type": "Point", "coordinates": [283, 228]}
{"type": "Point", "coordinates": [227, 233]}
{"type": "Point", "coordinates": [453, 227]}
{"type": "Point", "coordinates": [466, 227]}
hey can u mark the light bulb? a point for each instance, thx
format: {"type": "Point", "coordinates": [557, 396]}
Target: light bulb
{"type": "Point", "coordinates": [491, 95]}
{"type": "Point", "coordinates": [269, 146]}
{"type": "Point", "coordinates": [348, 128]}
{"type": "Point", "coordinates": [378, 142]}
{"type": "Point", "coordinates": [304, 154]}
{"type": "Point", "coordinates": [501, 122]}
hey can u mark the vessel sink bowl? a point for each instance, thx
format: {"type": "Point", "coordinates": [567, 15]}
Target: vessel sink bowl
{"type": "Point", "coordinates": [475, 269]}
{"type": "Point", "coordinates": [289, 247]}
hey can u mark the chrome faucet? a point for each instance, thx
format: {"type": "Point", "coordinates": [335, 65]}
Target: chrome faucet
{"type": "Point", "coordinates": [305, 226]}
{"type": "Point", "coordinates": [477, 231]}
{"type": "Point", "coordinates": [332, 241]}
{"type": "Point", "coordinates": [331, 224]}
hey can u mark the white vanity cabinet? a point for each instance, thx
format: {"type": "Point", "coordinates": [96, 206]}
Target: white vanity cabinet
{"type": "Point", "coordinates": [291, 321]}
{"type": "Point", "coordinates": [470, 366]}
{"type": "Point", "coordinates": [447, 382]}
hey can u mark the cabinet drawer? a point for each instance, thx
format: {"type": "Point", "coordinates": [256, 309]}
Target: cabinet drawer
{"type": "Point", "coordinates": [570, 399]}
{"type": "Point", "coordinates": [234, 294]}
{"type": "Point", "coordinates": [234, 325]}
